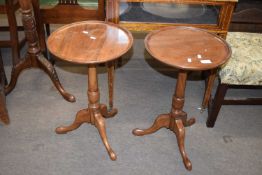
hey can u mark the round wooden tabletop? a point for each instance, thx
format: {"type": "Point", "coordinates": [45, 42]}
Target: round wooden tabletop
{"type": "Point", "coordinates": [187, 48]}
{"type": "Point", "coordinates": [89, 42]}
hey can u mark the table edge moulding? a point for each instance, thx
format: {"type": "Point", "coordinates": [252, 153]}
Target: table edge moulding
{"type": "Point", "coordinates": [186, 65]}
{"type": "Point", "coordinates": [108, 57]}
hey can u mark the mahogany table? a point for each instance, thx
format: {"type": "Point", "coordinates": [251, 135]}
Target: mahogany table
{"type": "Point", "coordinates": [91, 43]}
{"type": "Point", "coordinates": [187, 49]}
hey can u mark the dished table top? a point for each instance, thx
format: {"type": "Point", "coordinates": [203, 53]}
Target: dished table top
{"type": "Point", "coordinates": [187, 48]}
{"type": "Point", "coordinates": [89, 42]}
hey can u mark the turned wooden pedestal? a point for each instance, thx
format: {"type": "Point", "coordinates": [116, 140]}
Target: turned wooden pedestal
{"type": "Point", "coordinates": [34, 57]}
{"type": "Point", "coordinates": [91, 43]}
{"type": "Point", "coordinates": [187, 49]}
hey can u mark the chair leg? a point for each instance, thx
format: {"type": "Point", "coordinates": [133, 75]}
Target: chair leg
{"type": "Point", "coordinates": [47, 29]}
{"type": "Point", "coordinates": [13, 32]}
{"type": "Point", "coordinates": [48, 55]}
{"type": "Point", "coordinates": [209, 85]}
{"type": "Point", "coordinates": [3, 111]}
{"type": "Point", "coordinates": [214, 107]}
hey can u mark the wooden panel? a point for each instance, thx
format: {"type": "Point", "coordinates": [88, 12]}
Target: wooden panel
{"type": "Point", "coordinates": [247, 16]}
{"type": "Point", "coordinates": [225, 13]}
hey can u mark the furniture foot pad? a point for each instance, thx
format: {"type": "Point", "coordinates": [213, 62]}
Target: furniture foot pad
{"type": "Point", "coordinates": [189, 122]}
{"type": "Point", "coordinates": [179, 130]}
{"type": "Point", "coordinates": [161, 121]}
{"type": "Point", "coordinates": [107, 113]}
{"type": "Point", "coordinates": [81, 117]}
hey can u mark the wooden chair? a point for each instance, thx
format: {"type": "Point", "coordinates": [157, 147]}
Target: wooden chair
{"type": "Point", "coordinates": [3, 111]}
{"type": "Point", "coordinates": [63, 12]}
{"type": "Point", "coordinates": [243, 70]}
{"type": "Point", "coordinates": [9, 7]}
{"type": "Point", "coordinates": [247, 16]}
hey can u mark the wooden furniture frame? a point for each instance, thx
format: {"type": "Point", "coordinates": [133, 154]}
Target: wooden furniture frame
{"type": "Point", "coordinates": [3, 111]}
{"type": "Point", "coordinates": [221, 28]}
{"type": "Point", "coordinates": [34, 57]}
{"type": "Point", "coordinates": [220, 99]}
{"type": "Point", "coordinates": [66, 11]}
{"type": "Point", "coordinates": [247, 16]}
{"type": "Point", "coordinates": [9, 8]}
{"type": "Point", "coordinates": [220, 95]}
{"type": "Point", "coordinates": [112, 14]}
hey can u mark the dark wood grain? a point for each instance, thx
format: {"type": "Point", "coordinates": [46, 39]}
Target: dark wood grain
{"type": "Point", "coordinates": [220, 99]}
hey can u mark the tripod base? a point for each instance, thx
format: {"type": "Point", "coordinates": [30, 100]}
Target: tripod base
{"type": "Point", "coordinates": [96, 118]}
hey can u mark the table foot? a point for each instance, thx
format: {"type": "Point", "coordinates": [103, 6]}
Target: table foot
{"type": "Point", "coordinates": [189, 122]}
{"type": "Point", "coordinates": [100, 124]}
{"type": "Point", "coordinates": [41, 62]}
{"type": "Point", "coordinates": [16, 70]}
{"type": "Point", "coordinates": [161, 121]}
{"type": "Point", "coordinates": [175, 125]}
{"type": "Point", "coordinates": [4, 117]}
{"type": "Point", "coordinates": [82, 116]}
{"type": "Point", "coordinates": [48, 68]}
{"type": "Point", "coordinates": [107, 113]}
{"type": "Point", "coordinates": [179, 130]}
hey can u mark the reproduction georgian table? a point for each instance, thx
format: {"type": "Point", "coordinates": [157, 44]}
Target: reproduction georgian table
{"type": "Point", "coordinates": [91, 43]}
{"type": "Point", "coordinates": [187, 49]}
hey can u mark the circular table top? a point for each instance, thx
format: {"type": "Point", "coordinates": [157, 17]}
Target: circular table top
{"type": "Point", "coordinates": [89, 42]}
{"type": "Point", "coordinates": [187, 48]}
